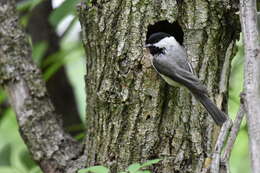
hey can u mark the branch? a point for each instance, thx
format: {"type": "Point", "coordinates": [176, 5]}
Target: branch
{"type": "Point", "coordinates": [220, 164]}
{"type": "Point", "coordinates": [234, 132]}
{"type": "Point", "coordinates": [219, 145]}
{"type": "Point", "coordinates": [248, 17]}
{"type": "Point", "coordinates": [54, 150]}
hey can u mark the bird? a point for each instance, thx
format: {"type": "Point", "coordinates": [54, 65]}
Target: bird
{"type": "Point", "coordinates": [170, 60]}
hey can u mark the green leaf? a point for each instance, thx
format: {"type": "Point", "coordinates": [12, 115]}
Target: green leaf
{"type": "Point", "coordinates": [5, 154]}
{"type": "Point", "coordinates": [17, 158]}
{"type": "Point", "coordinates": [16, 154]}
{"type": "Point", "coordinates": [95, 169]}
{"type": "Point", "coordinates": [143, 171]}
{"type": "Point", "coordinates": [150, 162]}
{"type": "Point", "coordinates": [35, 169]}
{"type": "Point", "coordinates": [51, 70]}
{"type": "Point", "coordinates": [6, 169]}
{"type": "Point", "coordinates": [2, 95]}
{"type": "Point", "coordinates": [64, 52]}
{"type": "Point", "coordinates": [24, 20]}
{"type": "Point", "coordinates": [67, 7]}
{"type": "Point", "coordinates": [134, 167]}
{"type": "Point", "coordinates": [57, 60]}
{"type": "Point", "coordinates": [38, 51]}
{"type": "Point", "coordinates": [27, 4]}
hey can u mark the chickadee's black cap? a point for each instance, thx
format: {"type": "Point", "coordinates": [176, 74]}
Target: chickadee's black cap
{"type": "Point", "coordinates": [155, 37]}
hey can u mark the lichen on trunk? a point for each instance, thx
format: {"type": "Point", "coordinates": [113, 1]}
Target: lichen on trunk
{"type": "Point", "coordinates": [132, 114]}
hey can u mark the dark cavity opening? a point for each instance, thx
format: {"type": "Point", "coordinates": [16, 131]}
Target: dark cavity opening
{"type": "Point", "coordinates": [173, 29]}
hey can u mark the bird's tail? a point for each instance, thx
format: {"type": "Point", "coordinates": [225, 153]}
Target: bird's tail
{"type": "Point", "coordinates": [218, 116]}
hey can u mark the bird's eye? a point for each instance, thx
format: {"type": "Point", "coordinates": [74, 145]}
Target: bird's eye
{"type": "Point", "coordinates": [156, 50]}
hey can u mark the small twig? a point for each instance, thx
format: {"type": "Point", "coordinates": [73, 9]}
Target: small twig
{"type": "Point", "coordinates": [220, 164]}
{"type": "Point", "coordinates": [233, 134]}
{"type": "Point", "coordinates": [219, 145]}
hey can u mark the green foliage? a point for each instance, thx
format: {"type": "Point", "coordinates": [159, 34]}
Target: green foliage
{"type": "Point", "coordinates": [95, 169]}
{"type": "Point", "coordinates": [76, 70]}
{"type": "Point", "coordinates": [133, 168]}
{"type": "Point", "coordinates": [38, 51]}
{"type": "Point", "coordinates": [27, 4]}
{"type": "Point", "coordinates": [2, 96]}
{"type": "Point", "coordinates": [66, 8]}
{"type": "Point", "coordinates": [14, 155]}
{"type": "Point", "coordinates": [150, 162]}
{"type": "Point", "coordinates": [236, 80]}
{"type": "Point", "coordinates": [239, 160]}
{"type": "Point", "coordinates": [62, 57]}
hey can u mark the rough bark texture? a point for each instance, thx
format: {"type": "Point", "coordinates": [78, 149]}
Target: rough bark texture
{"type": "Point", "coordinates": [251, 35]}
{"type": "Point", "coordinates": [132, 114]}
{"type": "Point", "coordinates": [55, 151]}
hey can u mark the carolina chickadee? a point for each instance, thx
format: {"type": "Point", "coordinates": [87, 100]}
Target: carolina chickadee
{"type": "Point", "coordinates": [170, 60]}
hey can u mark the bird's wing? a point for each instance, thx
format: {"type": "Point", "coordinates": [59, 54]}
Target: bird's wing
{"type": "Point", "coordinates": [179, 74]}
{"type": "Point", "coordinates": [180, 57]}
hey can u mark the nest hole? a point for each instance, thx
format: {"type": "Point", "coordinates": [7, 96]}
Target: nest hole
{"type": "Point", "coordinates": [173, 29]}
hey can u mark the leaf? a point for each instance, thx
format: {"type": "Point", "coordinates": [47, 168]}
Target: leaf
{"type": "Point", "coordinates": [2, 95]}
{"type": "Point", "coordinates": [6, 169]}
{"type": "Point", "coordinates": [38, 51]}
{"type": "Point", "coordinates": [51, 70]}
{"type": "Point", "coordinates": [27, 4]}
{"type": "Point", "coordinates": [95, 169]}
{"type": "Point", "coordinates": [67, 7]}
{"type": "Point", "coordinates": [60, 55]}
{"type": "Point", "coordinates": [26, 160]}
{"type": "Point", "coordinates": [35, 169]}
{"type": "Point", "coordinates": [57, 60]}
{"type": "Point", "coordinates": [134, 167]}
{"type": "Point", "coordinates": [10, 134]}
{"type": "Point", "coordinates": [143, 171]}
{"type": "Point", "coordinates": [17, 157]}
{"type": "Point", "coordinates": [150, 162]}
{"type": "Point", "coordinates": [5, 154]}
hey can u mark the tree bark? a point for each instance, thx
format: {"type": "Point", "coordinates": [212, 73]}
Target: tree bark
{"type": "Point", "coordinates": [133, 115]}
{"type": "Point", "coordinates": [248, 17]}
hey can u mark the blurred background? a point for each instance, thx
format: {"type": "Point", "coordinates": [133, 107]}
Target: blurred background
{"type": "Point", "coordinates": [55, 36]}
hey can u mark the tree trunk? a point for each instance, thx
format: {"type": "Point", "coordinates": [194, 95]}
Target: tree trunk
{"type": "Point", "coordinates": [132, 114]}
